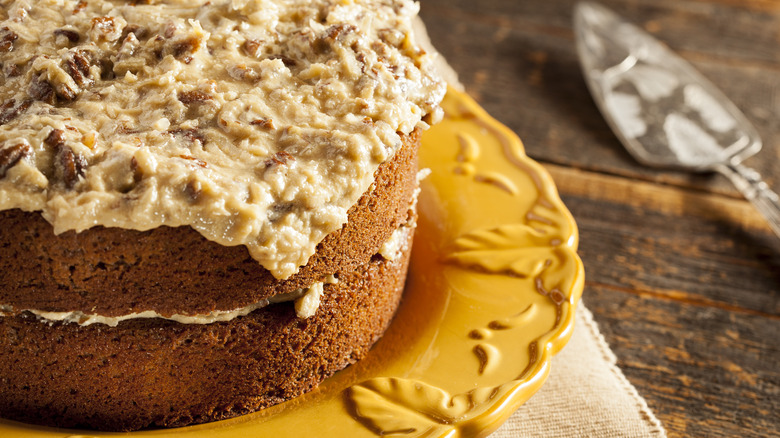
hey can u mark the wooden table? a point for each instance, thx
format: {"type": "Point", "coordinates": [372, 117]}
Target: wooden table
{"type": "Point", "coordinates": [682, 275]}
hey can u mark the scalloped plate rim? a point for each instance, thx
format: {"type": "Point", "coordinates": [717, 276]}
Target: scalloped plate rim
{"type": "Point", "coordinates": [518, 391]}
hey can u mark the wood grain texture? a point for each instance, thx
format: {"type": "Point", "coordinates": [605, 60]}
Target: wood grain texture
{"type": "Point", "coordinates": [518, 59]}
{"type": "Point", "coordinates": [705, 372]}
{"type": "Point", "coordinates": [686, 288]}
{"type": "Point", "coordinates": [682, 274]}
{"type": "Point", "coordinates": [687, 246]}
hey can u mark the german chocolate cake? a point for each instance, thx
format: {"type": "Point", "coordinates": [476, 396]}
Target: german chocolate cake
{"type": "Point", "coordinates": [207, 206]}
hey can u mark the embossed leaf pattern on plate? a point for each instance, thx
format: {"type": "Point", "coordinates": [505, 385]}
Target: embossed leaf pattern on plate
{"type": "Point", "coordinates": [504, 250]}
{"type": "Point", "coordinates": [391, 406]}
{"type": "Point", "coordinates": [530, 240]}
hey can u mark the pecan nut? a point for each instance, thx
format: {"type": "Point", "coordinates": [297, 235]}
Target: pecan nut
{"type": "Point", "coordinates": [9, 110]}
{"type": "Point", "coordinates": [7, 39]}
{"type": "Point", "coordinates": [71, 35]}
{"type": "Point", "coordinates": [70, 165]}
{"type": "Point", "coordinates": [73, 166]}
{"type": "Point", "coordinates": [194, 96]}
{"type": "Point", "coordinates": [11, 155]}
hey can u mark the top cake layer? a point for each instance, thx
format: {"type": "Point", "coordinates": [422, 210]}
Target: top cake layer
{"type": "Point", "coordinates": [257, 123]}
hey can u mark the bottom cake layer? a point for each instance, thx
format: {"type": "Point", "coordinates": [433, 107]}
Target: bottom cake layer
{"type": "Point", "coordinates": [152, 372]}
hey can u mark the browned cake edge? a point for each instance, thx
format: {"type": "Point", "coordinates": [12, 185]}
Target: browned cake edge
{"type": "Point", "coordinates": [113, 272]}
{"type": "Point", "coordinates": [156, 372]}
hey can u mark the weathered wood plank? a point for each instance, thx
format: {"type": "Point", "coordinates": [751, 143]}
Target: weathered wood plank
{"type": "Point", "coordinates": [519, 61]}
{"type": "Point", "coordinates": [687, 246]}
{"type": "Point", "coordinates": [744, 30]}
{"type": "Point", "coordinates": [705, 372]}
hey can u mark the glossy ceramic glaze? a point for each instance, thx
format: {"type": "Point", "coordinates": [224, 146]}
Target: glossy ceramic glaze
{"type": "Point", "coordinates": [491, 295]}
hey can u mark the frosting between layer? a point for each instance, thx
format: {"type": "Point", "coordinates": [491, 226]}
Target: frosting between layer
{"type": "Point", "coordinates": [308, 306]}
{"type": "Point", "coordinates": [307, 300]}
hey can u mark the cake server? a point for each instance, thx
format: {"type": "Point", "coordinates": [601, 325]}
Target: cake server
{"type": "Point", "coordinates": [663, 111]}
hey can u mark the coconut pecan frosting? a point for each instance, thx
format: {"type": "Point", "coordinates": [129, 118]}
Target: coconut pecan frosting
{"type": "Point", "coordinates": [257, 123]}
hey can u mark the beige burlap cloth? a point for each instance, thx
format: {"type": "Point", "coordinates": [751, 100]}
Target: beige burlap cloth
{"type": "Point", "coordinates": [586, 394]}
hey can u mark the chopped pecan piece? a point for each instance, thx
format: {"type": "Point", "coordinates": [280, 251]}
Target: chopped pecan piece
{"type": "Point", "coordinates": [7, 39]}
{"type": "Point", "coordinates": [190, 134]}
{"type": "Point", "coordinates": [361, 58]}
{"type": "Point", "coordinates": [73, 166]}
{"type": "Point", "coordinates": [66, 92]}
{"type": "Point", "coordinates": [393, 37]}
{"type": "Point", "coordinates": [105, 28]}
{"type": "Point", "coordinates": [263, 122]}
{"type": "Point", "coordinates": [124, 129]}
{"type": "Point", "coordinates": [197, 161]}
{"type": "Point", "coordinates": [9, 110]}
{"type": "Point", "coordinates": [55, 139]}
{"type": "Point", "coordinates": [332, 34]}
{"type": "Point", "coordinates": [158, 47]}
{"type": "Point", "coordinates": [11, 70]}
{"type": "Point", "coordinates": [129, 46]}
{"type": "Point", "coordinates": [188, 97]}
{"type": "Point", "coordinates": [79, 7]}
{"type": "Point", "coordinates": [170, 30]}
{"type": "Point", "coordinates": [252, 47]}
{"type": "Point", "coordinates": [382, 50]}
{"type": "Point", "coordinates": [193, 189]}
{"type": "Point", "coordinates": [279, 159]}
{"type": "Point", "coordinates": [184, 49]}
{"type": "Point", "coordinates": [71, 35]}
{"type": "Point", "coordinates": [279, 211]}
{"type": "Point", "coordinates": [77, 66]}
{"type": "Point", "coordinates": [104, 24]}
{"type": "Point", "coordinates": [242, 73]}
{"type": "Point", "coordinates": [11, 155]}
{"type": "Point", "coordinates": [42, 90]}
{"type": "Point", "coordinates": [335, 31]}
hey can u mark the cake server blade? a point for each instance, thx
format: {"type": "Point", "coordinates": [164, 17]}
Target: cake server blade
{"type": "Point", "coordinates": [663, 111]}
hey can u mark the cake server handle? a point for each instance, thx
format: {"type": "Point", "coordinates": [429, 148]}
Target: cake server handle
{"type": "Point", "coordinates": [749, 182]}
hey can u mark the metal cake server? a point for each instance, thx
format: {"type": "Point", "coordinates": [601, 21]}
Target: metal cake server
{"type": "Point", "coordinates": [664, 111]}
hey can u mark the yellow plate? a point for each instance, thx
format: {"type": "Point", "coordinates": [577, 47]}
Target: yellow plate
{"type": "Point", "coordinates": [494, 282]}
